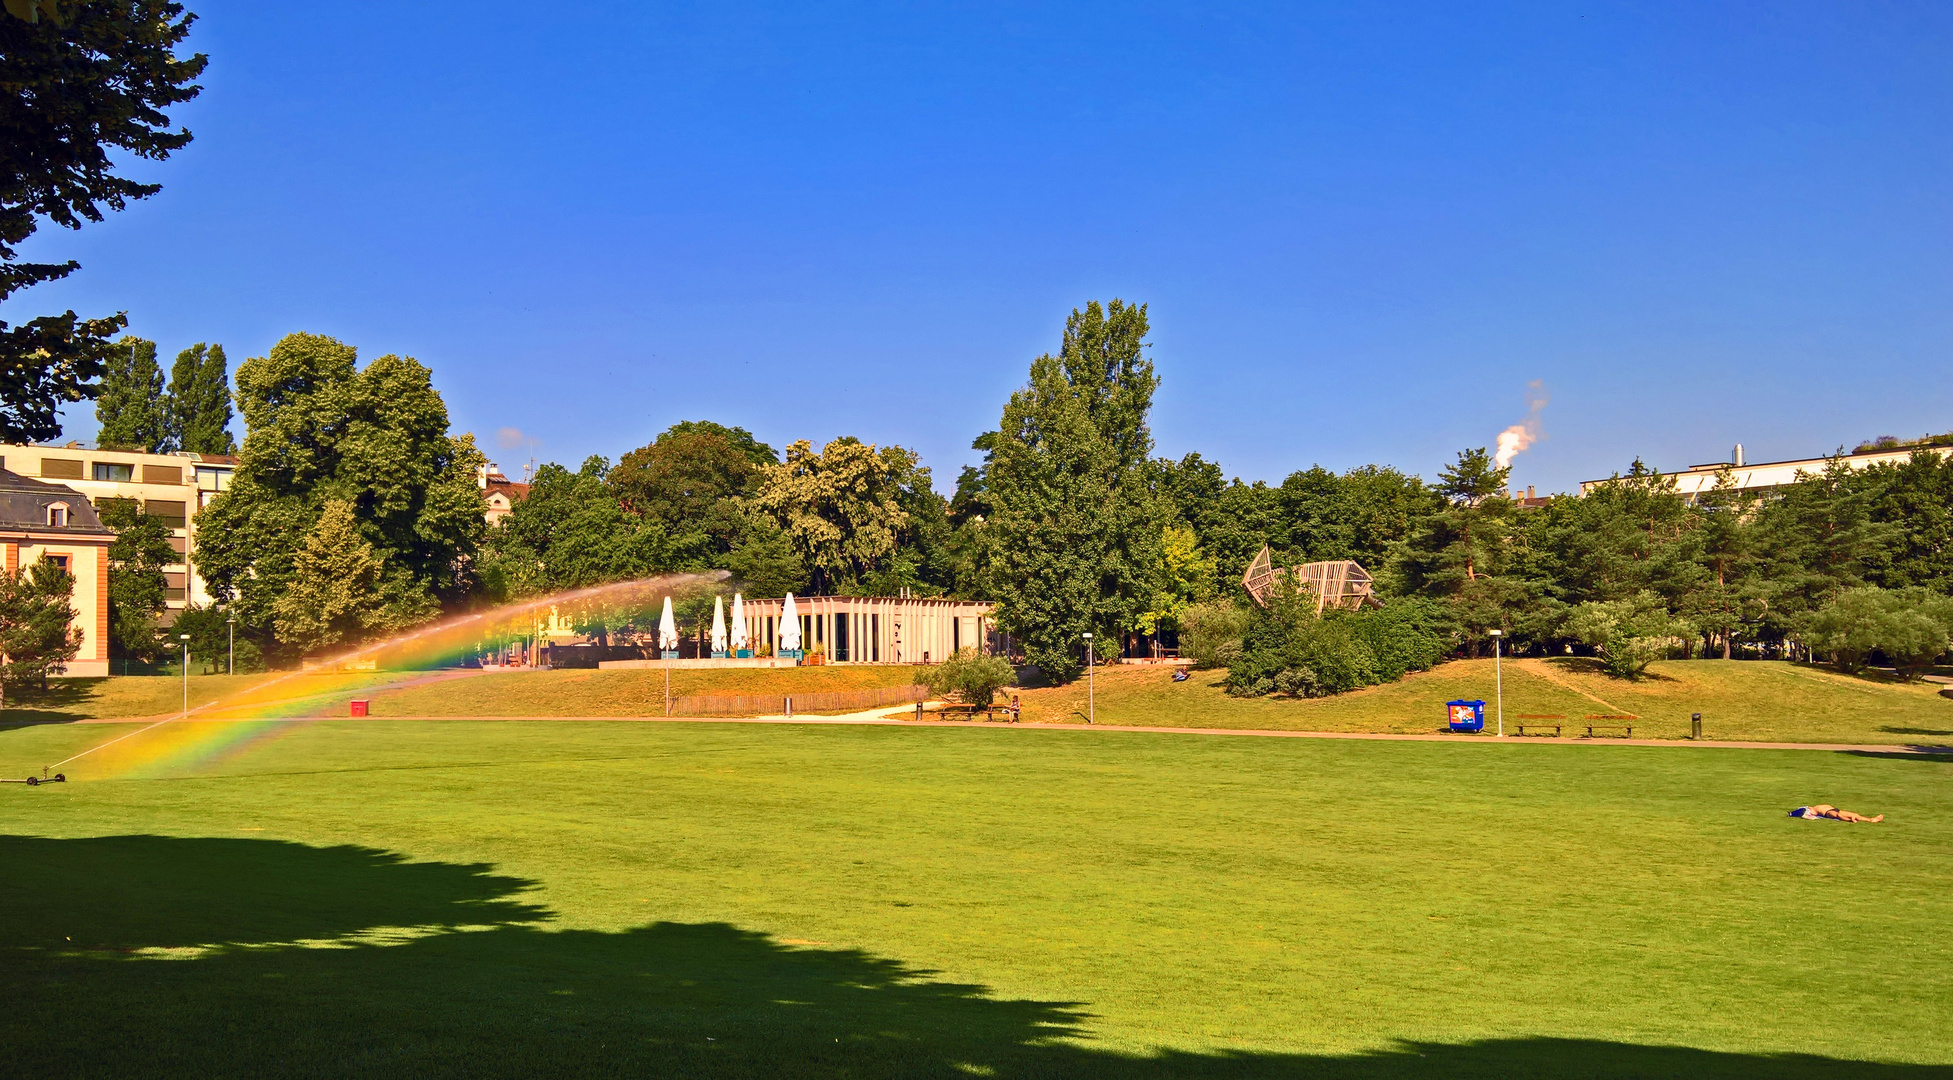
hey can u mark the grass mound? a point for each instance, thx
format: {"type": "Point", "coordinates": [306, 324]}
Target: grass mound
{"type": "Point", "coordinates": [1743, 700]}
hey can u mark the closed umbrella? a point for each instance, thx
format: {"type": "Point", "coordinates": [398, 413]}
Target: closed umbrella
{"type": "Point", "coordinates": [718, 626]}
{"type": "Point", "coordinates": [789, 629]}
{"type": "Point", "coordinates": [742, 642]}
{"type": "Point", "coordinates": [668, 632]}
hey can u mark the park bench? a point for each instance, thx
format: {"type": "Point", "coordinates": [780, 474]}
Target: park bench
{"type": "Point", "coordinates": [1626, 730]}
{"type": "Point", "coordinates": [1539, 723]}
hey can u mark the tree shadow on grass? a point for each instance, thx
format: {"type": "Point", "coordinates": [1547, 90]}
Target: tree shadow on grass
{"type": "Point", "coordinates": [301, 977]}
{"type": "Point", "coordinates": [63, 702]}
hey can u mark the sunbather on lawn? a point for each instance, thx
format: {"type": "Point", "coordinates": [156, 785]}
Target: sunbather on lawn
{"type": "Point", "coordinates": [1832, 812]}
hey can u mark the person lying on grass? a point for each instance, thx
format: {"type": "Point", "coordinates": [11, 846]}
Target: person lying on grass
{"type": "Point", "coordinates": [1832, 812]}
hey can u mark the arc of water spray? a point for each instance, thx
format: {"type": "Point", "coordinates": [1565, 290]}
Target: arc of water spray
{"type": "Point", "coordinates": [429, 631]}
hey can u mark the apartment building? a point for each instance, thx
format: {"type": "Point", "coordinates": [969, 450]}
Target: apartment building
{"type": "Point", "coordinates": [1764, 476]}
{"type": "Point", "coordinates": [169, 486]}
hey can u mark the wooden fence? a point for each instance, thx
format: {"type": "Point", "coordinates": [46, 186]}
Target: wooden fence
{"type": "Point", "coordinates": [827, 701]}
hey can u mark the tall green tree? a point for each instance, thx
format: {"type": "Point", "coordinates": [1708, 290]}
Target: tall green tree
{"type": "Point", "coordinates": [199, 404]}
{"type": "Point", "coordinates": [1463, 554]}
{"type": "Point", "coordinates": [1820, 538]}
{"type": "Point", "coordinates": [322, 429]}
{"type": "Point", "coordinates": [137, 587]}
{"type": "Point", "coordinates": [132, 409]}
{"type": "Point", "coordinates": [1073, 540]}
{"type": "Point", "coordinates": [80, 94]}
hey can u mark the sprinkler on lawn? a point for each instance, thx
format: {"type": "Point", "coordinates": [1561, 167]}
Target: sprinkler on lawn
{"type": "Point", "coordinates": [37, 781]}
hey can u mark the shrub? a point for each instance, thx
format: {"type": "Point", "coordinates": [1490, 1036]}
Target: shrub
{"type": "Point", "coordinates": [971, 677]}
{"type": "Point", "coordinates": [1911, 627]}
{"type": "Point", "coordinates": [1629, 634]}
{"type": "Point", "coordinates": [1288, 649]}
{"type": "Point", "coordinates": [1210, 633]}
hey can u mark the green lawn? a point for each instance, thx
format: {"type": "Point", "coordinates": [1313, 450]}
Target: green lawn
{"type": "Point", "coordinates": [526, 899]}
{"type": "Point", "coordinates": [1742, 700]}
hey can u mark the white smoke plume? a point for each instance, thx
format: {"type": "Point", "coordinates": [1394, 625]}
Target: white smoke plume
{"type": "Point", "coordinates": [1515, 439]}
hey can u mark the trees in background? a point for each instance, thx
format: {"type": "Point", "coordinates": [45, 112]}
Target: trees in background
{"type": "Point", "coordinates": [131, 408]}
{"type": "Point", "coordinates": [80, 92]}
{"type": "Point", "coordinates": [199, 403]}
{"type": "Point", "coordinates": [375, 439]}
{"type": "Point", "coordinates": [850, 514]}
{"type": "Point", "coordinates": [138, 412]}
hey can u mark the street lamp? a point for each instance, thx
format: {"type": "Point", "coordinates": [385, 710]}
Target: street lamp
{"type": "Point", "coordinates": [185, 638]}
{"type": "Point", "coordinates": [1091, 683]}
{"type": "Point", "coordinates": [232, 623]}
{"type": "Point", "coordinates": [1498, 678]}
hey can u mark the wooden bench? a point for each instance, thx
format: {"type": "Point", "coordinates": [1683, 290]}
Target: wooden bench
{"type": "Point", "coordinates": [1539, 723]}
{"type": "Point", "coordinates": [1626, 730]}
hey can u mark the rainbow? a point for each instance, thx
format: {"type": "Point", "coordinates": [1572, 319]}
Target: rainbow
{"type": "Point", "coordinates": [223, 730]}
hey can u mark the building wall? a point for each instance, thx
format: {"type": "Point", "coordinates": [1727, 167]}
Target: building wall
{"type": "Point", "coordinates": [1772, 474]}
{"type": "Point", "coordinates": [87, 560]}
{"type": "Point", "coordinates": [878, 629]}
{"type": "Point", "coordinates": [175, 486]}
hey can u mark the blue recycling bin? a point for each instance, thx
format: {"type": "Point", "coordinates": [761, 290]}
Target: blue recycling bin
{"type": "Point", "coordinates": [1465, 716]}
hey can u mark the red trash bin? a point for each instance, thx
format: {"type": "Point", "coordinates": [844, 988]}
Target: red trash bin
{"type": "Point", "coordinates": [359, 708]}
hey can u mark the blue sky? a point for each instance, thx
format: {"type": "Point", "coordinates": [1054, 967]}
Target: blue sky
{"type": "Point", "coordinates": [1362, 231]}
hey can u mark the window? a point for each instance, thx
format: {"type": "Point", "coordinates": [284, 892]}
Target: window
{"type": "Point", "coordinates": [60, 561]}
{"type": "Point", "coordinates": [109, 471]}
{"type": "Point", "coordinates": [57, 516]}
{"type": "Point", "coordinates": [61, 468]}
{"type": "Point", "coordinates": [212, 479]}
{"type": "Point", "coordinates": [162, 474]}
{"type": "Point", "coordinates": [171, 513]}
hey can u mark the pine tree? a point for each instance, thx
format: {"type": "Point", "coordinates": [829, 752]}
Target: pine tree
{"type": "Point", "coordinates": [37, 632]}
{"type": "Point", "coordinates": [200, 401]}
{"type": "Point", "coordinates": [334, 592]}
{"type": "Point", "coordinates": [132, 409]}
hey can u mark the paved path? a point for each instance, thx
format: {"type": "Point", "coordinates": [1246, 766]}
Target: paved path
{"type": "Point", "coordinates": [881, 718]}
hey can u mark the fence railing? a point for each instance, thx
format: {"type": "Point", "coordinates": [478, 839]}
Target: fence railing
{"type": "Point", "coordinates": [773, 704]}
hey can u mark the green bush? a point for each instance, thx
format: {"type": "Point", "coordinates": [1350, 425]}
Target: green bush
{"type": "Point", "coordinates": [1629, 634]}
{"type": "Point", "coordinates": [1210, 633]}
{"type": "Point", "coordinates": [971, 677]}
{"type": "Point", "coordinates": [1911, 627]}
{"type": "Point", "coordinates": [1288, 649]}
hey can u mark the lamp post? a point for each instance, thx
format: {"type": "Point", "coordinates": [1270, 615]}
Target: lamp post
{"type": "Point", "coordinates": [232, 623]}
{"type": "Point", "coordinates": [1091, 684]}
{"type": "Point", "coordinates": [1498, 678]}
{"type": "Point", "coordinates": [185, 638]}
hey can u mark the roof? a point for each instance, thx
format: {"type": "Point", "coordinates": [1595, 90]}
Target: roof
{"type": "Point", "coordinates": [24, 503]}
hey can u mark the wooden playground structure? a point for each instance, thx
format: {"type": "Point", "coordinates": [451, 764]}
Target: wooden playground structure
{"type": "Point", "coordinates": [1336, 583]}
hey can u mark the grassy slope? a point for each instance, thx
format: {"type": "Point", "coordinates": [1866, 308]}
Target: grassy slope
{"type": "Point", "coordinates": [1738, 699]}
{"type": "Point", "coordinates": [524, 693]}
{"type": "Point", "coordinates": [733, 901]}
{"type": "Point", "coordinates": [619, 693]}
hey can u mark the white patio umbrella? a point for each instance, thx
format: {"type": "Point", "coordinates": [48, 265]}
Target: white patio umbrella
{"type": "Point", "coordinates": [740, 638]}
{"type": "Point", "coordinates": [667, 629]}
{"type": "Point", "coordinates": [789, 626]}
{"type": "Point", "coordinates": [718, 626]}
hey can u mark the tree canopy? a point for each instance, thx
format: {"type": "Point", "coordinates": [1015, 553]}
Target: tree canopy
{"type": "Point", "coordinates": [80, 90]}
{"type": "Point", "coordinates": [376, 439]}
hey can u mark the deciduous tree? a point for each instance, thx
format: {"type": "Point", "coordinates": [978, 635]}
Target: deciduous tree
{"type": "Point", "coordinates": [132, 410]}
{"type": "Point", "coordinates": [77, 92]}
